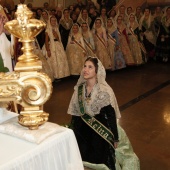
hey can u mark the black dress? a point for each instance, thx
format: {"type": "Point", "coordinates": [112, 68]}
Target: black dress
{"type": "Point", "coordinates": [93, 147]}
{"type": "Point", "coordinates": [64, 31]}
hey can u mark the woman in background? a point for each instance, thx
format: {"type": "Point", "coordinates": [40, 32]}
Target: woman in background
{"type": "Point", "coordinates": [65, 25]}
{"type": "Point", "coordinates": [117, 60]}
{"type": "Point", "coordinates": [123, 40]}
{"type": "Point", "coordinates": [101, 43]}
{"type": "Point", "coordinates": [84, 17]}
{"type": "Point", "coordinates": [147, 28]}
{"type": "Point", "coordinates": [163, 40]}
{"type": "Point", "coordinates": [88, 39]}
{"type": "Point", "coordinates": [56, 55]}
{"type": "Point", "coordinates": [134, 36]}
{"type": "Point", "coordinates": [76, 51]}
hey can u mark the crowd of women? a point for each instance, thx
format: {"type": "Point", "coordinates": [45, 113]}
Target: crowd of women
{"type": "Point", "coordinates": [120, 37]}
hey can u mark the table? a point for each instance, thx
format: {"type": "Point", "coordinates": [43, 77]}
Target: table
{"type": "Point", "coordinates": [58, 152]}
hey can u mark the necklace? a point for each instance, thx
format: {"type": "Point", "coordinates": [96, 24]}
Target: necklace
{"type": "Point", "coordinates": [88, 96]}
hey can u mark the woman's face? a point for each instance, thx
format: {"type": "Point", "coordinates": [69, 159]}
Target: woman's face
{"type": "Point", "coordinates": [44, 15]}
{"type": "Point", "coordinates": [98, 23]}
{"type": "Point", "coordinates": [113, 13]}
{"type": "Point", "coordinates": [89, 71]}
{"type": "Point", "coordinates": [53, 21]}
{"type": "Point", "coordinates": [84, 27]}
{"type": "Point", "coordinates": [158, 10]}
{"type": "Point", "coordinates": [109, 23]}
{"type": "Point", "coordinates": [122, 10]}
{"type": "Point", "coordinates": [66, 13]}
{"type": "Point", "coordinates": [103, 12]}
{"type": "Point", "coordinates": [147, 12]}
{"type": "Point", "coordinates": [129, 10]}
{"type": "Point", "coordinates": [84, 14]}
{"type": "Point", "coordinates": [138, 10]}
{"type": "Point", "coordinates": [75, 29]}
{"type": "Point", "coordinates": [77, 11]}
{"type": "Point", "coordinates": [119, 20]}
{"type": "Point", "coordinates": [39, 12]}
{"type": "Point", "coordinates": [168, 11]}
{"type": "Point", "coordinates": [131, 18]}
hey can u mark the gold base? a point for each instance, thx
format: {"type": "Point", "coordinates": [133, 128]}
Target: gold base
{"type": "Point", "coordinates": [21, 66]}
{"type": "Point", "coordinates": [33, 120]}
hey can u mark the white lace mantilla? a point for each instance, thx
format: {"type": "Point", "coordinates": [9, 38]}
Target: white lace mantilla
{"type": "Point", "coordinates": [99, 99]}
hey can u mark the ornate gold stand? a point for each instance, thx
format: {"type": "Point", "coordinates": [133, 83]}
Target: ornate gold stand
{"type": "Point", "coordinates": [27, 85]}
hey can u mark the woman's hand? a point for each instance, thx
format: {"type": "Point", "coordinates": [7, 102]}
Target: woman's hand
{"type": "Point", "coordinates": [115, 144]}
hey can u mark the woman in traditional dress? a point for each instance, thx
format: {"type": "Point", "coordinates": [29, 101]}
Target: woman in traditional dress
{"type": "Point", "coordinates": [157, 16]}
{"type": "Point", "coordinates": [41, 37]}
{"type": "Point", "coordinates": [65, 26]}
{"type": "Point", "coordinates": [56, 55]}
{"type": "Point", "coordinates": [103, 16]}
{"type": "Point", "coordinates": [88, 39]}
{"type": "Point", "coordinates": [112, 14]}
{"type": "Point", "coordinates": [163, 40]}
{"type": "Point", "coordinates": [138, 13]}
{"type": "Point", "coordinates": [123, 40]}
{"type": "Point", "coordinates": [84, 17]}
{"type": "Point", "coordinates": [122, 12]}
{"type": "Point", "coordinates": [101, 43]}
{"type": "Point", "coordinates": [76, 51]}
{"type": "Point", "coordinates": [133, 37]}
{"type": "Point", "coordinates": [95, 111]}
{"type": "Point", "coordinates": [45, 16]}
{"type": "Point", "coordinates": [117, 60]}
{"type": "Point", "coordinates": [146, 25]}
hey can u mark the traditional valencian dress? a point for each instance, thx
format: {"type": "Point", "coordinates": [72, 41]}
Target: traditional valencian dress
{"type": "Point", "coordinates": [76, 52]}
{"type": "Point", "coordinates": [123, 40]}
{"type": "Point", "coordinates": [81, 20]}
{"type": "Point", "coordinates": [163, 39]}
{"type": "Point", "coordinates": [116, 56]}
{"type": "Point", "coordinates": [101, 45]}
{"type": "Point", "coordinates": [146, 25]}
{"type": "Point", "coordinates": [89, 42]}
{"type": "Point", "coordinates": [95, 126]}
{"type": "Point", "coordinates": [134, 44]}
{"type": "Point", "coordinates": [58, 59]}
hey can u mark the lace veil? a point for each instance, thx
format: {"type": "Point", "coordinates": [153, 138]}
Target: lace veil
{"type": "Point", "coordinates": [103, 87]}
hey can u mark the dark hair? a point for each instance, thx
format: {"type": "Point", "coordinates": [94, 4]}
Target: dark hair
{"type": "Point", "coordinates": [94, 61]}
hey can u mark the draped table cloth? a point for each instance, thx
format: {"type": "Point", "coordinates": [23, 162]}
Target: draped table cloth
{"type": "Point", "coordinates": [58, 152]}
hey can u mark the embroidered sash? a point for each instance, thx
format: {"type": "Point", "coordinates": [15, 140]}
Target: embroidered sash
{"type": "Point", "coordinates": [140, 44]}
{"type": "Point", "coordinates": [73, 39]}
{"type": "Point", "coordinates": [111, 38]}
{"type": "Point", "coordinates": [101, 40]}
{"type": "Point", "coordinates": [90, 48]}
{"type": "Point", "coordinates": [97, 126]}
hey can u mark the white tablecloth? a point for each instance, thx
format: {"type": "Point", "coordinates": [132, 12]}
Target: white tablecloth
{"type": "Point", "coordinates": [57, 152]}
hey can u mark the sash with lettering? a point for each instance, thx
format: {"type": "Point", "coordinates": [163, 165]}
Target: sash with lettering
{"type": "Point", "coordinates": [98, 127]}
